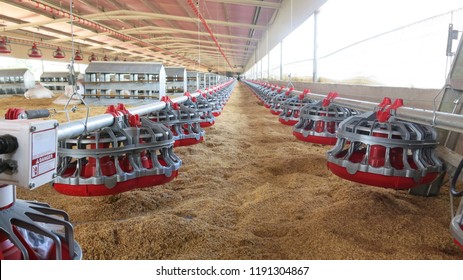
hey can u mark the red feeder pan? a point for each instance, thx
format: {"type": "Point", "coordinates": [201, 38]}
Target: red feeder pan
{"type": "Point", "coordinates": [315, 139]}
{"type": "Point", "coordinates": [188, 142]}
{"type": "Point", "coordinates": [102, 189]}
{"type": "Point", "coordinates": [207, 124]}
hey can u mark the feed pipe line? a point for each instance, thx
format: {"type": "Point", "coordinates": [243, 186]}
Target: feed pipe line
{"type": "Point", "coordinates": [447, 121]}
{"type": "Point", "coordinates": [78, 127]}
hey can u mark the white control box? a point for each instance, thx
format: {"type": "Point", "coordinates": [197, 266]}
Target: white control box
{"type": "Point", "coordinates": [36, 157]}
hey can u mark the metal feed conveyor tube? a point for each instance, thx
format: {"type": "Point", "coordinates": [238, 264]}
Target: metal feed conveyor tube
{"type": "Point", "coordinates": [448, 121]}
{"type": "Point", "coordinates": [76, 128]}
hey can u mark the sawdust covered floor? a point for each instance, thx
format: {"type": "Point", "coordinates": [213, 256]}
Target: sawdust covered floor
{"type": "Point", "coordinates": [252, 191]}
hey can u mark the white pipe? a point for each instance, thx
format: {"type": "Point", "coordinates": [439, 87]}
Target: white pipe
{"type": "Point", "coordinates": [447, 121]}
{"type": "Point", "coordinates": [78, 127]}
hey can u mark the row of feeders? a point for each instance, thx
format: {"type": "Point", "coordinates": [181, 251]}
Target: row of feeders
{"type": "Point", "coordinates": [371, 148]}
{"type": "Point", "coordinates": [133, 152]}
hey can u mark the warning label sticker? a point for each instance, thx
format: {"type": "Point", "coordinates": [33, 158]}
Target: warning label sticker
{"type": "Point", "coordinates": [43, 152]}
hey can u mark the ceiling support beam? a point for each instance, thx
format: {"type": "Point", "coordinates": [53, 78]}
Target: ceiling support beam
{"type": "Point", "coordinates": [249, 3]}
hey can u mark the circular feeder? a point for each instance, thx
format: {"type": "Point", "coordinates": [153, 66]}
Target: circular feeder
{"type": "Point", "coordinates": [133, 153]}
{"type": "Point", "coordinates": [184, 123]}
{"type": "Point", "coordinates": [278, 100]}
{"type": "Point", "coordinates": [379, 150]}
{"type": "Point", "coordinates": [34, 231]}
{"type": "Point", "coordinates": [318, 122]}
{"type": "Point", "coordinates": [290, 109]}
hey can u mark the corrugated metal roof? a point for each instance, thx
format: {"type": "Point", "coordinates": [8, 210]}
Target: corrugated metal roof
{"type": "Point", "coordinates": [13, 72]}
{"type": "Point", "coordinates": [56, 74]}
{"type": "Point", "coordinates": [175, 71]}
{"type": "Point", "coordinates": [124, 67]}
{"type": "Point", "coordinates": [163, 30]}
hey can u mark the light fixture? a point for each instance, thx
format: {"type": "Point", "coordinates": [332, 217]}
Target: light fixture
{"type": "Point", "coordinates": [59, 53]}
{"type": "Point", "coordinates": [5, 48]}
{"type": "Point", "coordinates": [34, 52]}
{"type": "Point", "coordinates": [92, 57]}
{"type": "Point", "coordinates": [78, 55]}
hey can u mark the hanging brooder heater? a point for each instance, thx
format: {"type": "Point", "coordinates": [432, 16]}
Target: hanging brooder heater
{"type": "Point", "coordinates": [34, 52]}
{"type": "Point", "coordinates": [5, 48]}
{"type": "Point", "coordinates": [78, 56]}
{"type": "Point", "coordinates": [318, 122]}
{"type": "Point", "coordinates": [377, 149]}
{"type": "Point", "coordinates": [59, 53]}
{"type": "Point", "coordinates": [92, 57]}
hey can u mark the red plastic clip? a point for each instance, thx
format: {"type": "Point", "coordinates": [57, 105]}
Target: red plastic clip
{"type": "Point", "coordinates": [330, 97]}
{"type": "Point", "coordinates": [289, 91]}
{"type": "Point", "coordinates": [167, 100]}
{"type": "Point", "coordinates": [386, 101]}
{"type": "Point", "coordinates": [117, 110]}
{"type": "Point", "coordinates": [384, 114]}
{"type": "Point", "coordinates": [13, 113]}
{"type": "Point", "coordinates": [303, 94]}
